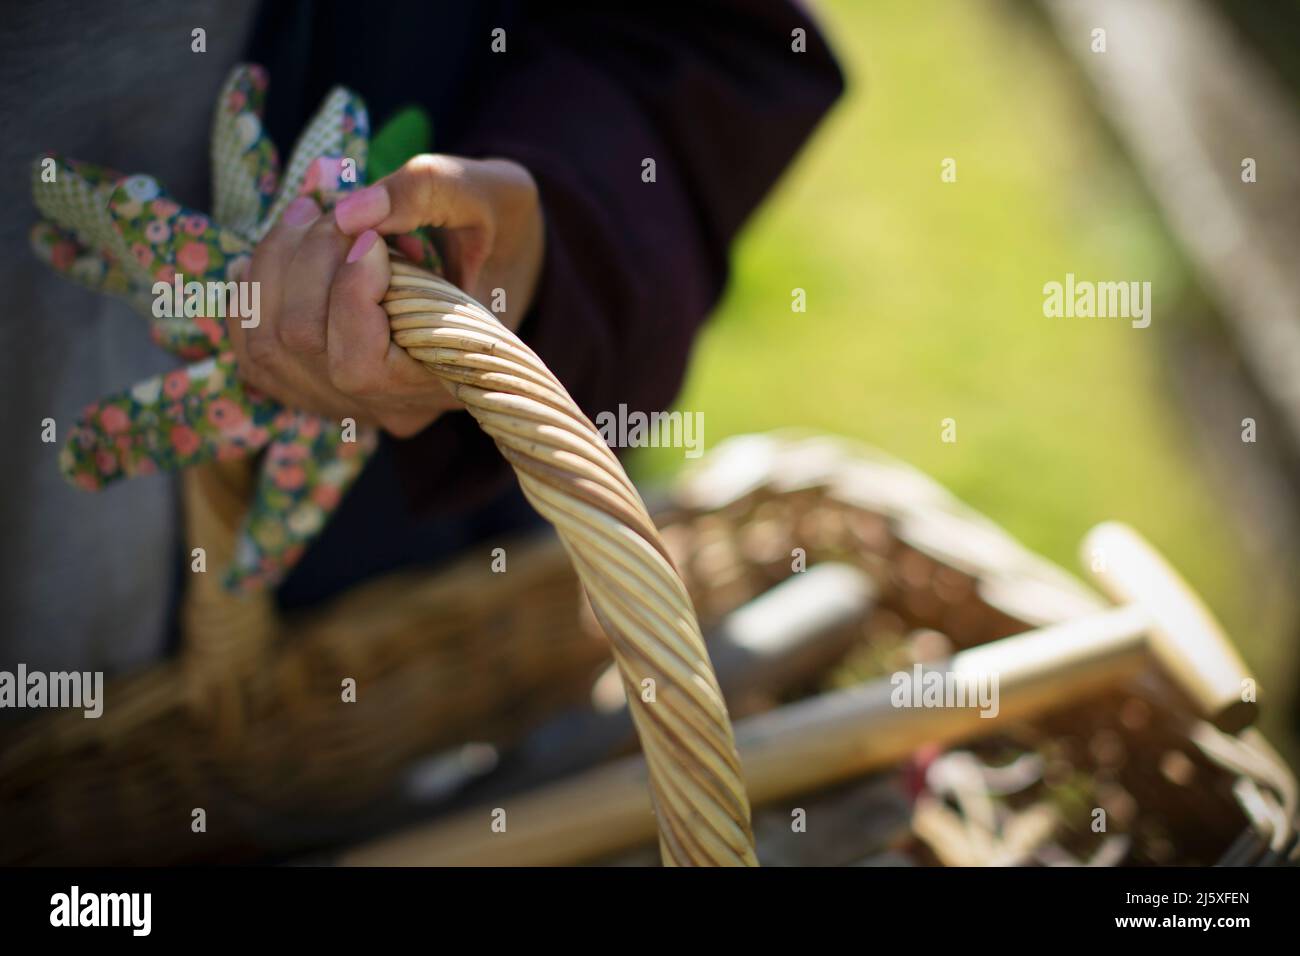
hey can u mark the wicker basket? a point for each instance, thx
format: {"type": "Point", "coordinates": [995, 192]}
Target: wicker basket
{"type": "Point", "coordinates": [1175, 789]}
{"type": "Point", "coordinates": [248, 724]}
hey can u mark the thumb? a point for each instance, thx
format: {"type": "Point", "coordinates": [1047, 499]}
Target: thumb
{"type": "Point", "coordinates": [358, 337]}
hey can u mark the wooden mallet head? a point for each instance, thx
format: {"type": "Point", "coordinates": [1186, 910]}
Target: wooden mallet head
{"type": "Point", "coordinates": [1182, 633]}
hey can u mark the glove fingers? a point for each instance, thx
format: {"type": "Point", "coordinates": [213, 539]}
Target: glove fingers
{"type": "Point", "coordinates": [164, 238]}
{"type": "Point", "coordinates": [340, 128]}
{"type": "Point", "coordinates": [74, 195]}
{"type": "Point", "coordinates": [309, 467]}
{"type": "Point", "coordinates": [110, 233]}
{"type": "Point", "coordinates": [304, 476]}
{"type": "Point", "coordinates": [245, 164]}
{"type": "Point", "coordinates": [83, 241]}
{"type": "Point", "coordinates": [167, 242]}
{"type": "Point", "coordinates": [166, 423]}
{"type": "Point", "coordinates": [325, 182]}
{"type": "Point", "coordinates": [97, 270]}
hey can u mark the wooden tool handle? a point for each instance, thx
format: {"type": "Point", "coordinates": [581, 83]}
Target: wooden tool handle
{"type": "Point", "coordinates": [788, 752]}
{"type": "Point", "coordinates": [1183, 634]}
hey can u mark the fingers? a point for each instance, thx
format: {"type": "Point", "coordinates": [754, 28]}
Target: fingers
{"type": "Point", "coordinates": [358, 337]}
{"type": "Point", "coordinates": [311, 468]}
{"type": "Point", "coordinates": [488, 213]}
{"type": "Point", "coordinates": [324, 342]}
{"type": "Point", "coordinates": [186, 417]}
{"type": "Point", "coordinates": [400, 393]}
{"type": "Point", "coordinates": [243, 191]}
{"type": "Point", "coordinates": [269, 268]}
{"type": "Point", "coordinates": [430, 190]}
{"type": "Point", "coordinates": [301, 323]}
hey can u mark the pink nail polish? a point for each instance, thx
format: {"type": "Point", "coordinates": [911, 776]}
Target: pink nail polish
{"type": "Point", "coordinates": [362, 209]}
{"type": "Point", "coordinates": [362, 245]}
{"type": "Point", "coordinates": [301, 211]}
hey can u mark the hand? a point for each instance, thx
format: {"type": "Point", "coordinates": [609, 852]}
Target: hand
{"type": "Point", "coordinates": [489, 214]}
{"type": "Point", "coordinates": [322, 343]}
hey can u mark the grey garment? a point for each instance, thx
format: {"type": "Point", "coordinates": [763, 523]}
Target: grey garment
{"type": "Point", "coordinates": [86, 579]}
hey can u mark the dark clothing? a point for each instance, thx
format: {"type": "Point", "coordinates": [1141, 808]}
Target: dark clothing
{"type": "Point", "coordinates": [712, 91]}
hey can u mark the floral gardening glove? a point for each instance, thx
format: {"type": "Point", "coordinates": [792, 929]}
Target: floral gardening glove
{"type": "Point", "coordinates": [122, 235]}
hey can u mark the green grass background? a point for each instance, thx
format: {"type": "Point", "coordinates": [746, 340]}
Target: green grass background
{"type": "Point", "coordinates": [925, 300]}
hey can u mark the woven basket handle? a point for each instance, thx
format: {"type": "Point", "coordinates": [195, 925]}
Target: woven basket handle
{"type": "Point", "coordinates": [574, 481]}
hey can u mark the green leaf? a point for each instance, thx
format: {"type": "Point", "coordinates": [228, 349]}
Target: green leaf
{"type": "Point", "coordinates": [407, 133]}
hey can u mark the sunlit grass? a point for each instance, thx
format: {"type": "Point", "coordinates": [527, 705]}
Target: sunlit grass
{"type": "Point", "coordinates": [925, 298]}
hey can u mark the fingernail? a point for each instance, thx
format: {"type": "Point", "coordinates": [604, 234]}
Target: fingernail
{"type": "Point", "coordinates": [301, 211]}
{"type": "Point", "coordinates": [362, 209]}
{"type": "Point", "coordinates": [362, 245]}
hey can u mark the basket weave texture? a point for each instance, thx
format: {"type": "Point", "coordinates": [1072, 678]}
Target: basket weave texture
{"type": "Point", "coordinates": [468, 655]}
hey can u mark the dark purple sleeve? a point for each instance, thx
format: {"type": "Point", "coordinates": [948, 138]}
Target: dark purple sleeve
{"type": "Point", "coordinates": [712, 92]}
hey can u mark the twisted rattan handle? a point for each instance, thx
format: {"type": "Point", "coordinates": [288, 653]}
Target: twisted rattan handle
{"type": "Point", "coordinates": [575, 482]}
